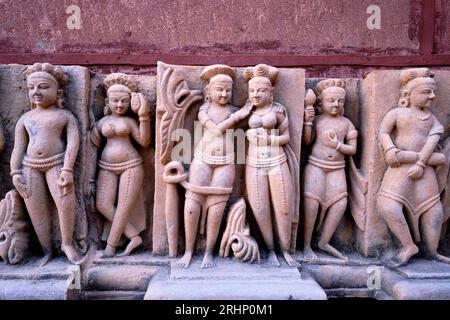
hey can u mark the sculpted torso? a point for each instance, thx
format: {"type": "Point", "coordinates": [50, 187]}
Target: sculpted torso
{"type": "Point", "coordinates": [45, 130]}
{"type": "Point", "coordinates": [268, 121]}
{"type": "Point", "coordinates": [117, 131]}
{"type": "Point", "coordinates": [341, 126]}
{"type": "Point", "coordinates": [411, 128]}
{"type": "Point", "coordinates": [212, 143]}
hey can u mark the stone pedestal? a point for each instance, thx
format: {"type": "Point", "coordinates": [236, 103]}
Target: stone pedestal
{"type": "Point", "coordinates": [58, 280]}
{"type": "Point", "coordinates": [233, 280]}
{"type": "Point", "coordinates": [124, 278]}
{"type": "Point", "coordinates": [419, 280]}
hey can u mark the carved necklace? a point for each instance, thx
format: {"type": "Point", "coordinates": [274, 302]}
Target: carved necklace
{"type": "Point", "coordinates": [422, 118]}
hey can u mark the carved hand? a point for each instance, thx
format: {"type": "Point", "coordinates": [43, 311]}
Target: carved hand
{"type": "Point", "coordinates": [65, 182]}
{"type": "Point", "coordinates": [415, 172]}
{"type": "Point", "coordinates": [310, 113]}
{"type": "Point", "coordinates": [243, 112]}
{"type": "Point", "coordinates": [330, 139]}
{"type": "Point", "coordinates": [252, 136]}
{"type": "Point", "coordinates": [21, 186]}
{"type": "Point", "coordinates": [392, 159]}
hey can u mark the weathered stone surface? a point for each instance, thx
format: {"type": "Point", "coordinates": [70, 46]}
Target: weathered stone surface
{"type": "Point", "coordinates": [147, 86]}
{"type": "Point", "coordinates": [198, 27]}
{"type": "Point", "coordinates": [56, 281]}
{"type": "Point", "coordinates": [283, 93]}
{"type": "Point", "coordinates": [232, 280]}
{"type": "Point", "coordinates": [442, 32]}
{"type": "Point", "coordinates": [379, 94]}
{"type": "Point", "coordinates": [14, 102]}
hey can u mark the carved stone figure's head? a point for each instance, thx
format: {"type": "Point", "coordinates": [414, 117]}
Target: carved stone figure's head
{"type": "Point", "coordinates": [418, 88]}
{"type": "Point", "coordinates": [219, 83]}
{"type": "Point", "coordinates": [331, 96]}
{"type": "Point", "coordinates": [119, 88]}
{"type": "Point", "coordinates": [44, 81]}
{"type": "Point", "coordinates": [261, 80]}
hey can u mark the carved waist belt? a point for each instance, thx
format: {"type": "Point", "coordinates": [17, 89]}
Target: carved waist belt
{"type": "Point", "coordinates": [216, 160]}
{"type": "Point", "coordinates": [43, 163]}
{"type": "Point", "coordinates": [325, 164]}
{"type": "Point", "coordinates": [114, 167]}
{"type": "Point", "coordinates": [266, 162]}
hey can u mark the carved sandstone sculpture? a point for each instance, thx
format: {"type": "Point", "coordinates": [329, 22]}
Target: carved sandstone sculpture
{"type": "Point", "coordinates": [271, 170]}
{"type": "Point", "coordinates": [14, 229]}
{"type": "Point", "coordinates": [333, 137]}
{"type": "Point", "coordinates": [409, 198]}
{"type": "Point", "coordinates": [121, 174]}
{"type": "Point", "coordinates": [45, 149]}
{"type": "Point", "coordinates": [237, 238]}
{"type": "Point", "coordinates": [212, 171]}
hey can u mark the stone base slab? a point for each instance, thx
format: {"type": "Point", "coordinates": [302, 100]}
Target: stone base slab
{"type": "Point", "coordinates": [232, 280]}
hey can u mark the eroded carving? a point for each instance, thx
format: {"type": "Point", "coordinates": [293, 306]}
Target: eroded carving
{"type": "Point", "coordinates": [271, 171]}
{"type": "Point", "coordinates": [44, 154]}
{"type": "Point", "coordinates": [409, 197]}
{"type": "Point", "coordinates": [120, 179]}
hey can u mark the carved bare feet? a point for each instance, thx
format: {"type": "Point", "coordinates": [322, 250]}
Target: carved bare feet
{"type": "Point", "coordinates": [331, 250]}
{"type": "Point", "coordinates": [442, 258]}
{"type": "Point", "coordinates": [133, 244]}
{"type": "Point", "coordinates": [71, 254]}
{"type": "Point", "coordinates": [289, 259]}
{"type": "Point", "coordinates": [109, 252]}
{"type": "Point", "coordinates": [309, 254]}
{"type": "Point", "coordinates": [272, 259]}
{"type": "Point", "coordinates": [208, 260]}
{"type": "Point", "coordinates": [45, 259]}
{"type": "Point", "coordinates": [185, 260]}
{"type": "Point", "coordinates": [404, 255]}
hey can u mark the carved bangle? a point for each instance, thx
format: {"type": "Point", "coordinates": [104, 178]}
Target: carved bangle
{"type": "Point", "coordinates": [67, 169]}
{"type": "Point", "coordinates": [389, 149]}
{"type": "Point", "coordinates": [15, 172]}
{"type": "Point", "coordinates": [309, 123]}
{"type": "Point", "coordinates": [421, 164]}
{"type": "Point", "coordinates": [143, 119]}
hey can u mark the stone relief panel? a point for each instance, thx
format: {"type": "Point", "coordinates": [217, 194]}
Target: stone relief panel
{"type": "Point", "coordinates": [210, 95]}
{"type": "Point", "coordinates": [121, 161]}
{"type": "Point", "coordinates": [46, 119]}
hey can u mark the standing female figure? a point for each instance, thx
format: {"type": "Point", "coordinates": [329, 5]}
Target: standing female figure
{"type": "Point", "coordinates": [121, 174]}
{"type": "Point", "coordinates": [269, 172]}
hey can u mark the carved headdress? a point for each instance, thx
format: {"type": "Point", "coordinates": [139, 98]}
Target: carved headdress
{"type": "Point", "coordinates": [49, 71]}
{"type": "Point", "coordinates": [120, 79]}
{"type": "Point", "coordinates": [122, 83]}
{"type": "Point", "coordinates": [216, 69]}
{"type": "Point", "coordinates": [219, 72]}
{"type": "Point", "coordinates": [410, 78]}
{"type": "Point", "coordinates": [325, 84]}
{"type": "Point", "coordinates": [328, 83]}
{"type": "Point", "coordinates": [52, 73]}
{"type": "Point", "coordinates": [261, 71]}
